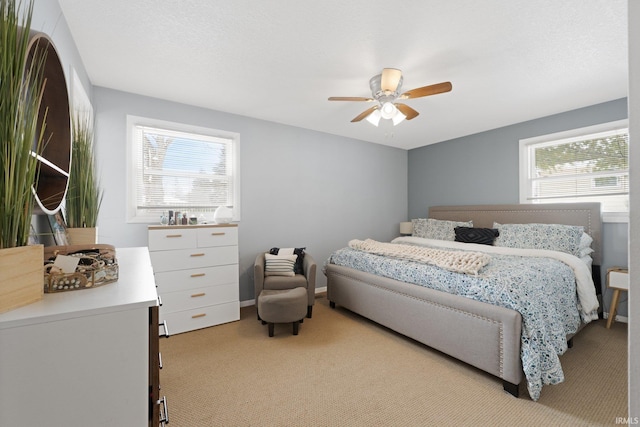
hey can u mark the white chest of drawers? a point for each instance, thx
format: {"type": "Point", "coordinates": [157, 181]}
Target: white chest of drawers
{"type": "Point", "coordinates": [196, 271]}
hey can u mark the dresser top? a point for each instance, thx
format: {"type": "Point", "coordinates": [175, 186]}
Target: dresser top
{"type": "Point", "coordinates": [168, 227]}
{"type": "Point", "coordinates": [135, 288]}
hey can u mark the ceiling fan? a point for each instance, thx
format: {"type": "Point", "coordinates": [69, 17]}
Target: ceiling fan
{"type": "Point", "coordinates": [385, 89]}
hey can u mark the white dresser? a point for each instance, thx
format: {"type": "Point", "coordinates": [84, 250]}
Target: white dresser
{"type": "Point", "coordinates": [197, 274]}
{"type": "Point", "coordinates": [81, 358]}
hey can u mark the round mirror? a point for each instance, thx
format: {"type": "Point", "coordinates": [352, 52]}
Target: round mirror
{"type": "Point", "coordinates": [54, 158]}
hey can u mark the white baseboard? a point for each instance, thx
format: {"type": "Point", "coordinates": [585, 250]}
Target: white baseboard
{"type": "Point", "coordinates": [621, 319]}
{"type": "Point", "coordinates": [250, 302]}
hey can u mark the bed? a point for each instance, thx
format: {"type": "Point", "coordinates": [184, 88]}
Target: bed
{"type": "Point", "coordinates": [486, 334]}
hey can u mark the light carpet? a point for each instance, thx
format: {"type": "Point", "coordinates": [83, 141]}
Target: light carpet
{"type": "Point", "coordinates": [343, 370]}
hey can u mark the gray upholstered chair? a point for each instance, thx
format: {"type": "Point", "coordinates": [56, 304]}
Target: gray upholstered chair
{"type": "Point", "coordinates": [306, 280]}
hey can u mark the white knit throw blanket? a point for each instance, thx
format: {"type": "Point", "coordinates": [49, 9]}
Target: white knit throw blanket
{"type": "Point", "coordinates": [457, 261]}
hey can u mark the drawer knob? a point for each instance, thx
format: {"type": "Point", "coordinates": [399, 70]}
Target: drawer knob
{"type": "Point", "coordinates": [218, 234]}
{"type": "Point", "coordinates": [173, 235]}
{"type": "Point", "coordinates": [194, 255]}
{"type": "Point", "coordinates": [164, 411]}
{"type": "Point", "coordinates": [166, 329]}
{"type": "Point", "coordinates": [197, 275]}
{"type": "Point", "coordinates": [195, 316]}
{"type": "Point", "coordinates": [201, 294]}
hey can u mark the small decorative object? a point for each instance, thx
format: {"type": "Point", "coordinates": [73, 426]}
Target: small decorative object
{"type": "Point", "coordinates": [95, 266]}
{"type": "Point", "coordinates": [193, 220]}
{"type": "Point", "coordinates": [58, 229]}
{"type": "Point", "coordinates": [223, 215]}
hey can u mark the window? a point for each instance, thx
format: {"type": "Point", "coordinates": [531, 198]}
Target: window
{"type": "Point", "coordinates": [588, 164]}
{"type": "Point", "coordinates": [606, 182]}
{"type": "Point", "coordinates": [182, 168]}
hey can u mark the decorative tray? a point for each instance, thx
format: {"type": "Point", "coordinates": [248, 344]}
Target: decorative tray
{"type": "Point", "coordinates": [97, 266]}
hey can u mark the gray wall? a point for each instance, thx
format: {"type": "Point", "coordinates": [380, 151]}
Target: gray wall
{"type": "Point", "coordinates": [48, 18]}
{"type": "Point", "coordinates": [483, 168]}
{"type": "Point", "coordinates": [299, 187]}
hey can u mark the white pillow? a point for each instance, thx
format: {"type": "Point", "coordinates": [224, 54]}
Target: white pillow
{"type": "Point", "coordinates": [585, 245]}
{"type": "Point", "coordinates": [279, 265]}
{"type": "Point", "coordinates": [286, 251]}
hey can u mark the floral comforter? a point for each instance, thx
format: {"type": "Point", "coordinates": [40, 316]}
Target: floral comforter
{"type": "Point", "coordinates": [540, 285]}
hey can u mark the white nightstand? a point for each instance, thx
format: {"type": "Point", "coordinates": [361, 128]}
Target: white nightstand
{"type": "Point", "coordinates": [618, 280]}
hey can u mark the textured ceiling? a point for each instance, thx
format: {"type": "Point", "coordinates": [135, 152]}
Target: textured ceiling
{"type": "Point", "coordinates": [279, 60]}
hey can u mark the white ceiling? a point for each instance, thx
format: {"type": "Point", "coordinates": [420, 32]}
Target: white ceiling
{"type": "Point", "coordinates": [279, 60]}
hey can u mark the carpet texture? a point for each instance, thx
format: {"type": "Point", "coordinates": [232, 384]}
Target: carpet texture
{"type": "Point", "coordinates": [343, 370]}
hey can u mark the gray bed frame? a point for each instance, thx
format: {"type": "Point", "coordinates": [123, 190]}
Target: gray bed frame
{"type": "Point", "coordinates": [480, 334]}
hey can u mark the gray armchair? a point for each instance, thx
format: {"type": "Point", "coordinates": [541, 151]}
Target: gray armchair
{"type": "Point", "coordinates": [306, 280]}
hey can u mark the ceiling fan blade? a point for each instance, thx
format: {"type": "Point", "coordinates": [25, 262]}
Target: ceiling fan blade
{"type": "Point", "coordinates": [427, 90]}
{"type": "Point", "coordinates": [407, 111]}
{"type": "Point", "coordinates": [364, 114]}
{"type": "Point", "coordinates": [350, 98]}
{"type": "Point", "coordinates": [390, 79]}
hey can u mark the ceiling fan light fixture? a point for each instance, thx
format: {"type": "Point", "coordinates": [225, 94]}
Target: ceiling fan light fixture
{"type": "Point", "coordinates": [388, 110]}
{"type": "Point", "coordinates": [374, 118]}
{"type": "Point", "coordinates": [398, 117]}
{"type": "Point", "coordinates": [386, 89]}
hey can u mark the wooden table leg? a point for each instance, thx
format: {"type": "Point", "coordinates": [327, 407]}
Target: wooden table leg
{"type": "Point", "coordinates": [614, 307]}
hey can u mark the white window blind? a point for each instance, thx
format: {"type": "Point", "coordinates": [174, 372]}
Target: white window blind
{"type": "Point", "coordinates": [589, 164]}
{"type": "Point", "coordinates": [181, 168]}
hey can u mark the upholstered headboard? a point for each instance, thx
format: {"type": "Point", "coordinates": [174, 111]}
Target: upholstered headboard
{"type": "Point", "coordinates": [584, 214]}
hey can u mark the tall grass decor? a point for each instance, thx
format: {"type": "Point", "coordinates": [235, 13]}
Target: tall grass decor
{"type": "Point", "coordinates": [84, 196]}
{"type": "Point", "coordinates": [21, 90]}
{"type": "Point", "coordinates": [22, 128]}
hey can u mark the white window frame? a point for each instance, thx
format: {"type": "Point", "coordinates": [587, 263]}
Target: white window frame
{"type": "Point", "coordinates": [133, 159]}
{"type": "Point", "coordinates": [525, 161]}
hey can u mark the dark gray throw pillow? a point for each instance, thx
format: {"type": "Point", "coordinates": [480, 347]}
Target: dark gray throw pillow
{"type": "Point", "coordinates": [483, 236]}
